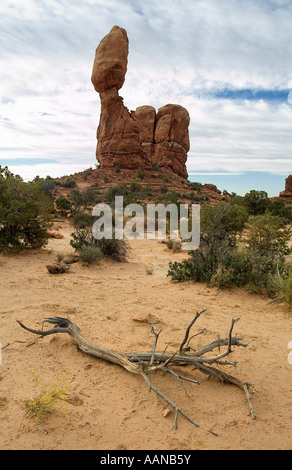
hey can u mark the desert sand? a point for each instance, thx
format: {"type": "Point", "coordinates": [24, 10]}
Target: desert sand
{"type": "Point", "coordinates": [108, 408]}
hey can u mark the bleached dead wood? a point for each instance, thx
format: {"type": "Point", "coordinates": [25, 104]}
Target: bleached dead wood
{"type": "Point", "coordinates": [147, 363]}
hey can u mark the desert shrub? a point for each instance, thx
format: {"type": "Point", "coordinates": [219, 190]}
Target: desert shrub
{"type": "Point", "coordinates": [48, 399]}
{"type": "Point", "coordinates": [279, 208]}
{"type": "Point", "coordinates": [173, 245]}
{"type": "Point", "coordinates": [140, 174]}
{"type": "Point", "coordinates": [90, 254]}
{"type": "Point", "coordinates": [280, 285]}
{"type": "Point", "coordinates": [115, 249]}
{"type": "Point", "coordinates": [119, 190]}
{"type": "Point", "coordinates": [82, 200]}
{"type": "Point", "coordinates": [69, 182]}
{"type": "Point", "coordinates": [135, 187]}
{"type": "Point", "coordinates": [164, 188]}
{"type": "Point", "coordinates": [219, 226]}
{"type": "Point", "coordinates": [287, 289]}
{"type": "Point", "coordinates": [82, 237]}
{"type": "Point", "coordinates": [149, 190]}
{"type": "Point", "coordinates": [195, 197]}
{"type": "Point", "coordinates": [82, 220]}
{"type": "Point", "coordinates": [86, 173]}
{"type": "Point", "coordinates": [195, 186]}
{"type": "Point", "coordinates": [47, 184]}
{"type": "Point", "coordinates": [245, 268]}
{"type": "Point", "coordinates": [63, 205]}
{"type": "Point", "coordinates": [267, 236]}
{"type": "Point", "coordinates": [256, 202]}
{"type": "Point", "coordinates": [260, 267]}
{"type": "Point", "coordinates": [25, 213]}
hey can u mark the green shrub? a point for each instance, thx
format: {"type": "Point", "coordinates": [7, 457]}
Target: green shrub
{"type": "Point", "coordinates": [135, 187]}
{"type": "Point", "coordinates": [25, 212]}
{"type": "Point", "coordinates": [267, 236]}
{"type": "Point", "coordinates": [63, 205]}
{"type": "Point", "coordinates": [90, 254]}
{"type": "Point", "coordinates": [173, 245]}
{"type": "Point", "coordinates": [82, 237]}
{"type": "Point", "coordinates": [195, 186]}
{"type": "Point", "coordinates": [115, 249]}
{"type": "Point", "coordinates": [82, 220]}
{"type": "Point", "coordinates": [69, 182]}
{"type": "Point", "coordinates": [82, 200]}
{"type": "Point", "coordinates": [140, 174]}
{"type": "Point", "coordinates": [164, 188]}
{"type": "Point", "coordinates": [256, 202]}
{"type": "Point", "coordinates": [119, 190]}
{"type": "Point", "coordinates": [280, 285]}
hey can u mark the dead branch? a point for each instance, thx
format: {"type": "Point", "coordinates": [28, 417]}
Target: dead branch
{"type": "Point", "coordinates": [145, 363]}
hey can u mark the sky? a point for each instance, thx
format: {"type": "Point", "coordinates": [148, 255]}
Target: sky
{"type": "Point", "coordinates": [228, 62]}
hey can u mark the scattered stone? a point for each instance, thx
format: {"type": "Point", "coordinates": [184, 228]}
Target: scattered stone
{"type": "Point", "coordinates": [142, 318]}
{"type": "Point", "coordinates": [167, 412]}
{"type": "Point", "coordinates": [73, 259]}
{"type": "Point", "coordinates": [55, 234]}
{"type": "Point", "coordinates": [55, 269]}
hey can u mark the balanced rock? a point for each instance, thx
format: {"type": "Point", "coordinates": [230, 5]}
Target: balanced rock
{"type": "Point", "coordinates": [111, 58]}
{"type": "Point", "coordinates": [136, 139]}
{"type": "Point", "coordinates": [118, 132]}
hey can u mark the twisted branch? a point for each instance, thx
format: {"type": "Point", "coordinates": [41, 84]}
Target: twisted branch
{"type": "Point", "coordinates": [145, 363]}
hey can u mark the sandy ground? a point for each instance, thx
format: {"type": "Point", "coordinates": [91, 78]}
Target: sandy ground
{"type": "Point", "coordinates": [107, 407]}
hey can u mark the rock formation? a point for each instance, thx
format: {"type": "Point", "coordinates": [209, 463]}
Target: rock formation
{"type": "Point", "coordinates": [287, 194]}
{"type": "Point", "coordinates": [141, 138]}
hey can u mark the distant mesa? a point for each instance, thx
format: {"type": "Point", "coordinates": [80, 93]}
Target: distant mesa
{"type": "Point", "coordinates": [140, 138]}
{"type": "Point", "coordinates": [287, 194]}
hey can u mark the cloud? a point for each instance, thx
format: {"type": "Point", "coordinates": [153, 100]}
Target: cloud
{"type": "Point", "coordinates": [222, 60]}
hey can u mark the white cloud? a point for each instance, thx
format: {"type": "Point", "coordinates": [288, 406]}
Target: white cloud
{"type": "Point", "coordinates": [180, 52]}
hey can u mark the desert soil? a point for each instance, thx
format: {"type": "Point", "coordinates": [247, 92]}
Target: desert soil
{"type": "Point", "coordinates": [108, 408]}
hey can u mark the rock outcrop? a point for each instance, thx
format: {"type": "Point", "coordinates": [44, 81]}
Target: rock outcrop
{"type": "Point", "coordinates": [141, 138]}
{"type": "Point", "coordinates": [287, 194]}
{"type": "Point", "coordinates": [118, 131]}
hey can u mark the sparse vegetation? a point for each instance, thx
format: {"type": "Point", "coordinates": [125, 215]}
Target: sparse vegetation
{"type": "Point", "coordinates": [90, 254]}
{"type": "Point", "coordinates": [173, 245]}
{"type": "Point", "coordinates": [258, 263]}
{"type": "Point", "coordinates": [91, 249]}
{"type": "Point", "coordinates": [48, 399]}
{"type": "Point", "coordinates": [69, 182]}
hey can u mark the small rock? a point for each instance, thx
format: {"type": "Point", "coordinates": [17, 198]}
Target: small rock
{"type": "Point", "coordinates": [54, 269]}
{"type": "Point", "coordinates": [55, 234]}
{"type": "Point", "coordinates": [146, 318]}
{"type": "Point", "coordinates": [166, 412]}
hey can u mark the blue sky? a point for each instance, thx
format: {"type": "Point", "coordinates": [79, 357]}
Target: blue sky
{"type": "Point", "coordinates": [228, 62]}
